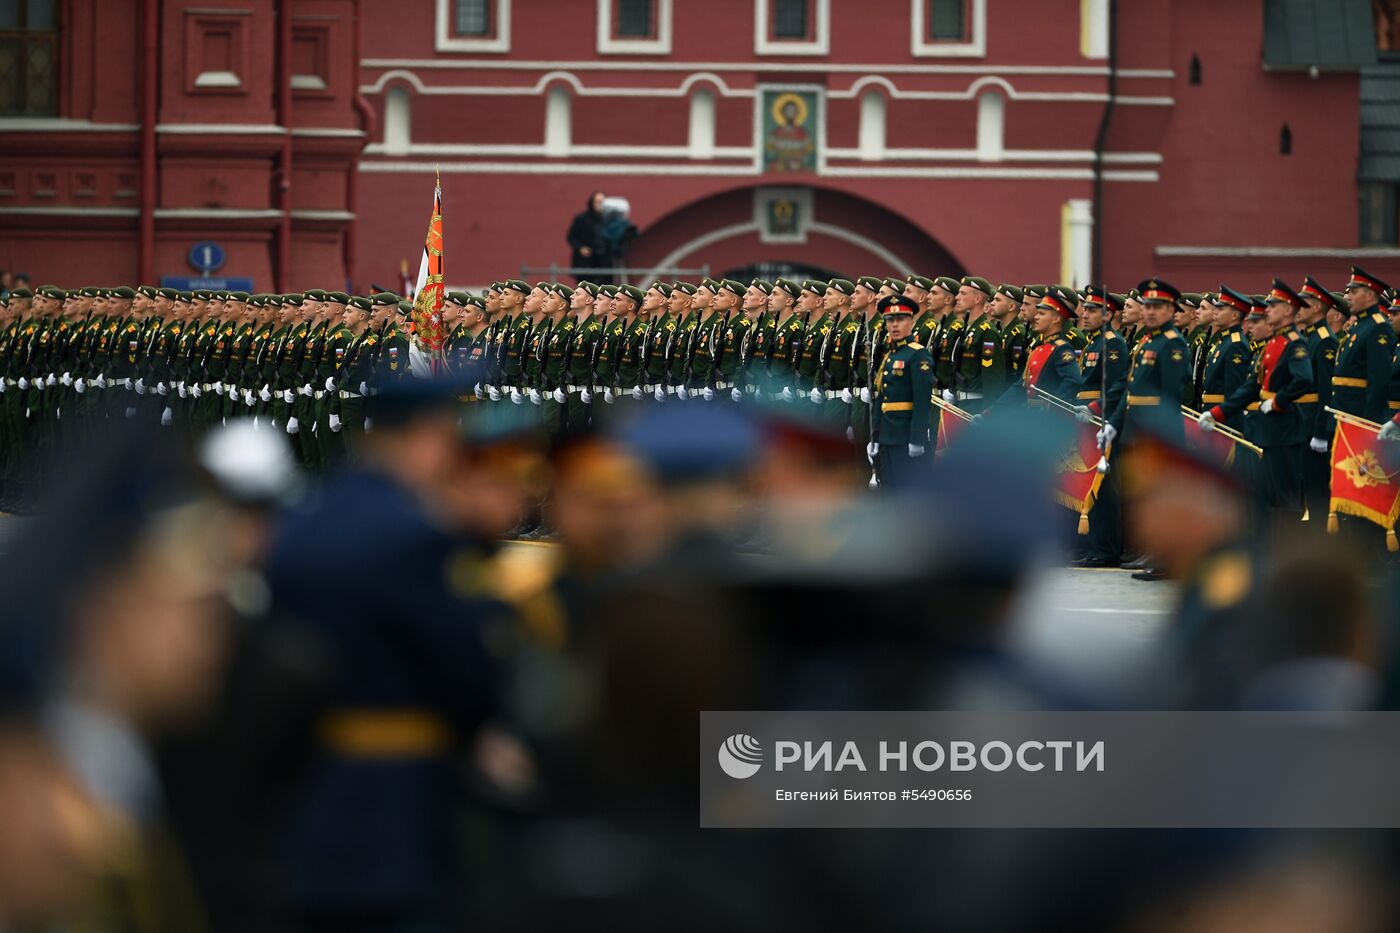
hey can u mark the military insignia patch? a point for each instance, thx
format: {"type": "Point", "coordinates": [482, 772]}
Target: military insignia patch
{"type": "Point", "coordinates": [897, 364]}
{"type": "Point", "coordinates": [1176, 356]}
{"type": "Point", "coordinates": [1301, 353]}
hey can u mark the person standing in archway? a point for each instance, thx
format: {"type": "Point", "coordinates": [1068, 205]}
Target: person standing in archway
{"type": "Point", "coordinates": [585, 238]}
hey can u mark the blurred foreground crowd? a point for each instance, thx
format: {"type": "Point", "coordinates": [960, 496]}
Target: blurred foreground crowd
{"type": "Point", "coordinates": [233, 699]}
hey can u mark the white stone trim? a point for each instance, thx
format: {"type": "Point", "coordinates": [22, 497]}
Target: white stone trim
{"type": "Point", "coordinates": [1277, 252]}
{"type": "Point", "coordinates": [558, 122]}
{"type": "Point", "coordinates": [702, 122]}
{"type": "Point", "coordinates": [819, 44]}
{"type": "Point", "coordinates": [991, 125]}
{"type": "Point", "coordinates": [308, 83]}
{"type": "Point", "coordinates": [398, 122]}
{"type": "Point", "coordinates": [609, 45]}
{"type": "Point", "coordinates": [873, 122]}
{"type": "Point", "coordinates": [218, 213]}
{"type": "Point", "coordinates": [526, 150]}
{"type": "Point", "coordinates": [322, 215]}
{"type": "Point", "coordinates": [1077, 242]}
{"type": "Point", "coordinates": [64, 211]}
{"type": "Point", "coordinates": [62, 125]}
{"type": "Point", "coordinates": [1165, 74]}
{"type": "Point", "coordinates": [241, 129]}
{"type": "Point", "coordinates": [329, 131]}
{"type": "Point", "coordinates": [745, 171]}
{"type": "Point", "coordinates": [218, 79]}
{"type": "Point", "coordinates": [975, 47]}
{"type": "Point", "coordinates": [444, 41]}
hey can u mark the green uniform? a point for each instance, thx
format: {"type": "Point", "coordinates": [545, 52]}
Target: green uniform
{"type": "Point", "coordinates": [903, 391]}
{"type": "Point", "coordinates": [1015, 345]}
{"type": "Point", "coordinates": [700, 354]}
{"type": "Point", "coordinates": [777, 347]}
{"type": "Point", "coordinates": [657, 363]}
{"type": "Point", "coordinates": [981, 364]}
{"type": "Point", "coordinates": [732, 357]}
{"type": "Point", "coordinates": [837, 373]}
{"type": "Point", "coordinates": [555, 374]}
{"type": "Point", "coordinates": [809, 358]}
{"type": "Point", "coordinates": [579, 364]}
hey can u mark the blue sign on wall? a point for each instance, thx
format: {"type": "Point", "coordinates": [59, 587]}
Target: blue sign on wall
{"type": "Point", "coordinates": [189, 283]}
{"type": "Point", "coordinates": [206, 256]}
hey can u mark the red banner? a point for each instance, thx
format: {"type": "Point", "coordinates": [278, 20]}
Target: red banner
{"type": "Point", "coordinates": [1361, 485]}
{"type": "Point", "coordinates": [1078, 479]}
{"type": "Point", "coordinates": [427, 303]}
{"type": "Point", "coordinates": [949, 427]}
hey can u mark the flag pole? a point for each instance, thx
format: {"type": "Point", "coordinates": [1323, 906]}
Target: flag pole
{"type": "Point", "coordinates": [1352, 419]}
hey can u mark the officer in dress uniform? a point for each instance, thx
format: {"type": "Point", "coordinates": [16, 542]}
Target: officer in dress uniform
{"type": "Point", "coordinates": [1104, 365]}
{"type": "Point", "coordinates": [1159, 366]}
{"type": "Point", "coordinates": [1322, 346]}
{"type": "Point", "coordinates": [1053, 366]}
{"type": "Point", "coordinates": [1364, 354]}
{"type": "Point", "coordinates": [903, 394]}
{"type": "Point", "coordinates": [1281, 377]}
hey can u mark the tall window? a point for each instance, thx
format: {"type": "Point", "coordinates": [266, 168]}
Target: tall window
{"type": "Point", "coordinates": [28, 57]}
{"type": "Point", "coordinates": [1377, 213]}
{"type": "Point", "coordinates": [947, 20]}
{"type": "Point", "coordinates": [636, 19]}
{"type": "Point", "coordinates": [473, 18]}
{"type": "Point", "coordinates": [790, 19]}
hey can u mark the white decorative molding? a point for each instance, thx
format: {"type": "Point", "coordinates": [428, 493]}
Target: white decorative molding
{"type": "Point", "coordinates": [1165, 74]}
{"type": "Point", "coordinates": [608, 44]}
{"type": "Point", "coordinates": [308, 83]}
{"type": "Point", "coordinates": [60, 211]}
{"type": "Point", "coordinates": [1278, 252]}
{"type": "Point", "coordinates": [1077, 241]}
{"type": "Point", "coordinates": [218, 213]}
{"type": "Point", "coordinates": [444, 41]}
{"type": "Point", "coordinates": [326, 131]}
{"type": "Point", "coordinates": [644, 169]}
{"type": "Point", "coordinates": [922, 47]}
{"type": "Point", "coordinates": [62, 125]}
{"type": "Point", "coordinates": [398, 122]}
{"type": "Point", "coordinates": [526, 150]}
{"type": "Point", "coordinates": [558, 122]}
{"type": "Point", "coordinates": [241, 129]}
{"type": "Point", "coordinates": [819, 44]}
{"type": "Point", "coordinates": [219, 79]}
{"type": "Point", "coordinates": [322, 215]}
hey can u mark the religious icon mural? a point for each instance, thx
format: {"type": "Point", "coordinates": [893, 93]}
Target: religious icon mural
{"type": "Point", "coordinates": [790, 131]}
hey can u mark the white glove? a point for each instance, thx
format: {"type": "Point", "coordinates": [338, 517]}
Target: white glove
{"type": "Point", "coordinates": [100, 381]}
{"type": "Point", "coordinates": [162, 389]}
{"type": "Point", "coordinates": [707, 394]}
{"type": "Point", "coordinates": [196, 391]}
{"type": "Point", "coordinates": [736, 394]}
{"type": "Point", "coordinates": [66, 379]}
{"type": "Point", "coordinates": [660, 393]}
{"type": "Point", "coordinates": [478, 391]}
{"type": "Point", "coordinates": [586, 397]}
{"type": "Point", "coordinates": [608, 395]}
{"type": "Point", "coordinates": [2, 386]}
{"type": "Point", "coordinates": [305, 390]}
{"type": "Point", "coordinates": [293, 426]}
{"type": "Point", "coordinates": [180, 389]}
{"type": "Point", "coordinates": [850, 434]}
{"type": "Point", "coordinates": [23, 383]}
{"type": "Point", "coordinates": [218, 388]}
{"type": "Point", "coordinates": [492, 393]}
{"type": "Point", "coordinates": [330, 383]}
{"type": "Point", "coordinates": [288, 396]}
{"type": "Point", "coordinates": [1390, 431]}
{"type": "Point", "coordinates": [535, 397]}
{"type": "Point", "coordinates": [1206, 421]}
{"type": "Point", "coordinates": [515, 397]}
{"type": "Point", "coordinates": [976, 418]}
{"type": "Point", "coordinates": [1083, 415]}
{"type": "Point", "coordinates": [559, 396]}
{"type": "Point", "coordinates": [916, 450]}
{"type": "Point", "coordinates": [786, 395]}
{"type": "Point", "coordinates": [950, 396]}
{"type": "Point", "coordinates": [871, 450]}
{"type": "Point", "coordinates": [637, 393]}
{"type": "Point", "coordinates": [1106, 435]}
{"type": "Point", "coordinates": [847, 396]}
{"type": "Point", "coordinates": [1319, 445]}
{"type": "Point", "coordinates": [130, 413]}
{"type": "Point", "coordinates": [264, 394]}
{"type": "Point", "coordinates": [369, 424]}
{"type": "Point", "coordinates": [166, 417]}
{"type": "Point", "coordinates": [1268, 406]}
{"type": "Point", "coordinates": [865, 395]}
{"type": "Point", "coordinates": [248, 398]}
{"type": "Point", "coordinates": [682, 393]}
{"type": "Point", "coordinates": [79, 385]}
{"type": "Point", "coordinates": [364, 388]}
{"type": "Point", "coordinates": [816, 396]}
{"type": "Point", "coordinates": [140, 387]}
{"type": "Point", "coordinates": [334, 422]}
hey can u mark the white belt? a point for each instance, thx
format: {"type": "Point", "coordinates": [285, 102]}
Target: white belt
{"type": "Point", "coordinates": [832, 393]}
{"type": "Point", "coordinates": [318, 393]}
{"type": "Point", "coordinates": [345, 394]}
{"type": "Point", "coordinates": [751, 388]}
{"type": "Point", "coordinates": [649, 388]}
{"type": "Point", "coordinates": [724, 385]}
{"type": "Point", "coordinates": [971, 395]}
{"type": "Point", "coordinates": [573, 389]}
{"type": "Point", "coordinates": [670, 390]}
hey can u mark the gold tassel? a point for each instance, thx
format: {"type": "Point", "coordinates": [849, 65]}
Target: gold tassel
{"type": "Point", "coordinates": [1391, 544]}
{"type": "Point", "coordinates": [1084, 523]}
{"type": "Point", "coordinates": [1331, 523]}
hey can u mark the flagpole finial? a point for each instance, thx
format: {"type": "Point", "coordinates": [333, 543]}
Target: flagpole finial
{"type": "Point", "coordinates": [437, 170]}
